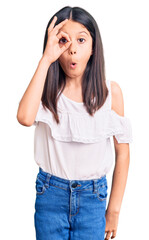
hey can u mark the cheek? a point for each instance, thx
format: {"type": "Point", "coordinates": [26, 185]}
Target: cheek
{"type": "Point", "coordinates": [85, 57]}
{"type": "Point", "coordinates": [62, 60]}
{"type": "Point", "coordinates": [86, 53]}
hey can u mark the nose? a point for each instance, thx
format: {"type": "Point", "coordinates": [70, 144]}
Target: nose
{"type": "Point", "coordinates": [72, 49]}
{"type": "Point", "coordinates": [72, 52]}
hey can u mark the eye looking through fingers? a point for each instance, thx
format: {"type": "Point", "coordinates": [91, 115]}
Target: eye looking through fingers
{"type": "Point", "coordinates": [62, 39]}
{"type": "Point", "coordinates": [63, 36]}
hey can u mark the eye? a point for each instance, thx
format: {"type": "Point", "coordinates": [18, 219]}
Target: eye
{"type": "Point", "coordinates": [81, 38]}
{"type": "Point", "coordinates": [62, 40]}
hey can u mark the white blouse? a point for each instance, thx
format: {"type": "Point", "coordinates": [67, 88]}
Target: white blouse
{"type": "Point", "coordinates": [79, 148]}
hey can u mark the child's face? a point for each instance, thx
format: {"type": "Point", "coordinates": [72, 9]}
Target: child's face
{"type": "Point", "coordinates": [79, 50]}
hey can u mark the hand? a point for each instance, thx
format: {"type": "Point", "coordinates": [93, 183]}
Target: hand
{"type": "Point", "coordinates": [53, 49]}
{"type": "Point", "coordinates": [111, 224]}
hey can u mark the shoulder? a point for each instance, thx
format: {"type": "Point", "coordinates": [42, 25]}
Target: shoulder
{"type": "Point", "coordinates": [117, 101]}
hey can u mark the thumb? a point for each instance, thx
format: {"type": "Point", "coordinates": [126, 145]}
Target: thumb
{"type": "Point", "coordinates": [64, 48]}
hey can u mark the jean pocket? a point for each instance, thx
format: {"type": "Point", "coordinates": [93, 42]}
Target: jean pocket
{"type": "Point", "coordinates": [40, 186]}
{"type": "Point", "coordinates": [102, 192]}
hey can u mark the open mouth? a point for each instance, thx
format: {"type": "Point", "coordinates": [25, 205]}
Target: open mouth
{"type": "Point", "coordinates": [73, 65]}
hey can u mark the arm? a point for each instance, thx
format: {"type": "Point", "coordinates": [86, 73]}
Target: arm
{"type": "Point", "coordinates": [120, 173]}
{"type": "Point", "coordinates": [30, 101]}
{"type": "Point", "coordinates": [119, 178]}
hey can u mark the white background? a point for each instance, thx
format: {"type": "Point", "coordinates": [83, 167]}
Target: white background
{"type": "Point", "coordinates": [124, 30]}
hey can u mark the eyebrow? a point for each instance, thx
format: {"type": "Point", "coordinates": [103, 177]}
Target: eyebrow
{"type": "Point", "coordinates": [80, 32]}
{"type": "Point", "coordinates": [84, 32]}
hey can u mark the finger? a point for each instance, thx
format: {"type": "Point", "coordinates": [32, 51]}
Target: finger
{"type": "Point", "coordinates": [58, 26]}
{"type": "Point", "coordinates": [64, 48]}
{"type": "Point", "coordinates": [113, 235]}
{"type": "Point", "coordinates": [108, 235]}
{"type": "Point", "coordinates": [62, 34]}
{"type": "Point", "coordinates": [52, 23]}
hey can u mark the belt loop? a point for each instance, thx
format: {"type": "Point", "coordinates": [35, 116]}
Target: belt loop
{"type": "Point", "coordinates": [94, 185]}
{"type": "Point", "coordinates": [47, 180]}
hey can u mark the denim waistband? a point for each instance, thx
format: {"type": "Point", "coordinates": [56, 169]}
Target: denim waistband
{"type": "Point", "coordinates": [66, 184]}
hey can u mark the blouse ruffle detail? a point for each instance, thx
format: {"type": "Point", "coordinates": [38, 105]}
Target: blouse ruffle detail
{"type": "Point", "coordinates": [85, 128]}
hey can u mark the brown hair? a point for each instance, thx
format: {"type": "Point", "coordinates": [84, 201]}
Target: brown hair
{"type": "Point", "coordinates": [93, 82]}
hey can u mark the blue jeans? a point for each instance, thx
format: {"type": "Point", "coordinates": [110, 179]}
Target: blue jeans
{"type": "Point", "coordinates": [69, 209]}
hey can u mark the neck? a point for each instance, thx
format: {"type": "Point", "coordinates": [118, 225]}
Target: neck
{"type": "Point", "coordinates": [74, 83]}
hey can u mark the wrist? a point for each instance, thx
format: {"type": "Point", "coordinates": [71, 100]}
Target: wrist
{"type": "Point", "coordinates": [113, 211]}
{"type": "Point", "coordinates": [45, 60]}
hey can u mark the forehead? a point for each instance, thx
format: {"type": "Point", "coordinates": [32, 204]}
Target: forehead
{"type": "Point", "coordinates": [72, 27]}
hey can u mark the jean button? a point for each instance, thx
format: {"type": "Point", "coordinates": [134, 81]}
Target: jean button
{"type": "Point", "coordinates": [74, 185]}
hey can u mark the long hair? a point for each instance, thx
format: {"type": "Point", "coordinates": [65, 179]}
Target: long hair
{"type": "Point", "coordinates": [93, 80]}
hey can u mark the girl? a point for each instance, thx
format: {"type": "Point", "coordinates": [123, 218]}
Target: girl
{"type": "Point", "coordinates": [76, 110]}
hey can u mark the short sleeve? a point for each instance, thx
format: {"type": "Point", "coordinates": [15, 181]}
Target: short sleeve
{"type": "Point", "coordinates": [38, 115]}
{"type": "Point", "coordinates": [43, 115]}
{"type": "Point", "coordinates": [122, 128]}
{"type": "Point", "coordinates": [118, 126]}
